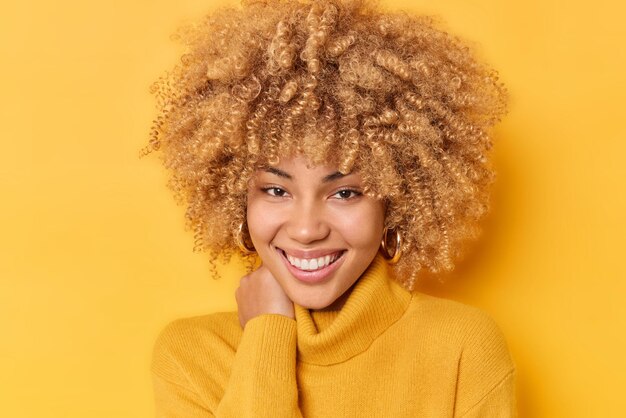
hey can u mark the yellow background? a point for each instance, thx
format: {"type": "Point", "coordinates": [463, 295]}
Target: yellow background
{"type": "Point", "coordinates": [94, 259]}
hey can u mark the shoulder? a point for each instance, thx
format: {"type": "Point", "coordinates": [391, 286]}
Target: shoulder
{"type": "Point", "coordinates": [192, 327]}
{"type": "Point", "coordinates": [459, 323]}
{"type": "Point", "coordinates": [484, 363]}
{"type": "Point", "coordinates": [185, 341]}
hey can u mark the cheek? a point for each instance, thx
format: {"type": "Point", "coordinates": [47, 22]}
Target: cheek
{"type": "Point", "coordinates": [263, 222]}
{"type": "Point", "coordinates": [363, 228]}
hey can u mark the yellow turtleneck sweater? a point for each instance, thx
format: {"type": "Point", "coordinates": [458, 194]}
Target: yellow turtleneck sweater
{"type": "Point", "coordinates": [386, 353]}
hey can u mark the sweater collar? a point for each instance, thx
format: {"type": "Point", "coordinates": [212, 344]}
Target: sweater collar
{"type": "Point", "coordinates": [376, 302]}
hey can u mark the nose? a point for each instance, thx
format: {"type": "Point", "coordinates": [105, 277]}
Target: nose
{"type": "Point", "coordinates": [307, 223]}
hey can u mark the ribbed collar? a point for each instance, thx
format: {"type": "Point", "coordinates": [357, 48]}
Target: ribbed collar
{"type": "Point", "coordinates": [376, 302]}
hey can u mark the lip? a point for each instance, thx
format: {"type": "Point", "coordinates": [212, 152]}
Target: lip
{"type": "Point", "coordinates": [316, 276]}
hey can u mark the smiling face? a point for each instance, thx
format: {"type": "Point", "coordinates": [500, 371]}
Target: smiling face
{"type": "Point", "coordinates": [313, 228]}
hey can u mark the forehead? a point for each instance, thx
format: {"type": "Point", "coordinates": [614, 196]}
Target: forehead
{"type": "Point", "coordinates": [300, 169]}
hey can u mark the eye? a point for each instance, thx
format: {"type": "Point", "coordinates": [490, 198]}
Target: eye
{"type": "Point", "coordinates": [275, 191]}
{"type": "Point", "coordinates": [347, 194]}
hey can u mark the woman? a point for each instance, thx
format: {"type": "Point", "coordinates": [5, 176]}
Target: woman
{"type": "Point", "coordinates": [341, 150]}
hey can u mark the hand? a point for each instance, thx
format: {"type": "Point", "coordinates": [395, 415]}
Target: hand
{"type": "Point", "coordinates": [260, 293]}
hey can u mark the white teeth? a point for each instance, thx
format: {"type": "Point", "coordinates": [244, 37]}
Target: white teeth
{"type": "Point", "coordinates": [311, 264]}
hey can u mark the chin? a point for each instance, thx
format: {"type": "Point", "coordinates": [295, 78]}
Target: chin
{"type": "Point", "coordinates": [312, 303]}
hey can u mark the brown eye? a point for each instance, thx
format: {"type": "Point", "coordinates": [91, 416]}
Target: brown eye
{"type": "Point", "coordinates": [347, 194]}
{"type": "Point", "coordinates": [275, 191]}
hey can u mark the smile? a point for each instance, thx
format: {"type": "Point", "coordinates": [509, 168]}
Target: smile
{"type": "Point", "coordinates": [313, 269]}
{"type": "Point", "coordinates": [312, 264]}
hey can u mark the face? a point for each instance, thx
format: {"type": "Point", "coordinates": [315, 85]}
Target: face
{"type": "Point", "coordinates": [314, 229]}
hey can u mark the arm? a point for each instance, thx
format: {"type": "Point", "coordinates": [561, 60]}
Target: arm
{"type": "Point", "coordinates": [175, 395]}
{"type": "Point", "coordinates": [263, 379]}
{"type": "Point", "coordinates": [498, 403]}
{"type": "Point", "coordinates": [175, 400]}
{"type": "Point", "coordinates": [486, 379]}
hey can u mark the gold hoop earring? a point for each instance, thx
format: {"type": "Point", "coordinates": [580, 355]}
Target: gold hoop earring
{"type": "Point", "coordinates": [395, 257]}
{"type": "Point", "coordinates": [241, 243]}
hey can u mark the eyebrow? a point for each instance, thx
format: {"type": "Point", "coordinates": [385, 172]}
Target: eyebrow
{"type": "Point", "coordinates": [280, 173]}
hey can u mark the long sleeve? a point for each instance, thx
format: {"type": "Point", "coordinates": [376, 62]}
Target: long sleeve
{"type": "Point", "coordinates": [174, 394]}
{"type": "Point", "coordinates": [486, 381]}
{"type": "Point", "coordinates": [263, 379]}
{"type": "Point", "coordinates": [175, 400]}
{"type": "Point", "coordinates": [260, 382]}
{"type": "Point", "coordinates": [498, 403]}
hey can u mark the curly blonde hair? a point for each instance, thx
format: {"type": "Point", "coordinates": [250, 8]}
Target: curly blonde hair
{"type": "Point", "coordinates": [384, 93]}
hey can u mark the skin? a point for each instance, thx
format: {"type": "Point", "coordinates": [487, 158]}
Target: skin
{"type": "Point", "coordinates": [307, 212]}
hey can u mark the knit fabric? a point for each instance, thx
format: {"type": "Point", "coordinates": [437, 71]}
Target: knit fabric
{"type": "Point", "coordinates": [386, 353]}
